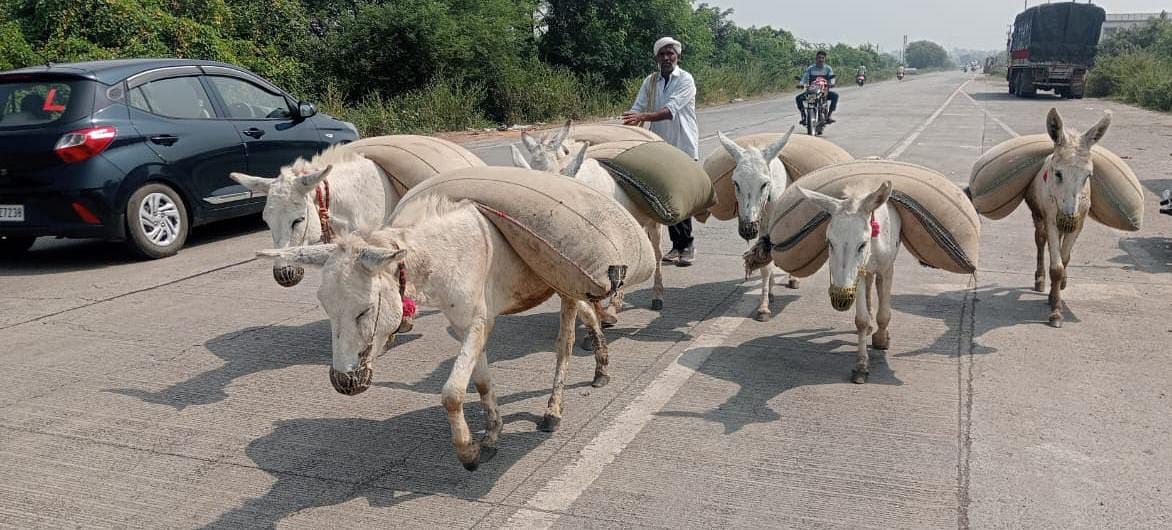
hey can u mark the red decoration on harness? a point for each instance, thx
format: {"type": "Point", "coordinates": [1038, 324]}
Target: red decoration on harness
{"type": "Point", "coordinates": [408, 307]}
{"type": "Point", "coordinates": [874, 226]}
{"type": "Point", "coordinates": [323, 211]}
{"type": "Point", "coordinates": [1045, 175]}
{"type": "Point", "coordinates": [408, 303]}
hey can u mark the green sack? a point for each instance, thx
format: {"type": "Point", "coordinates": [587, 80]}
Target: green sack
{"type": "Point", "coordinates": [665, 182]}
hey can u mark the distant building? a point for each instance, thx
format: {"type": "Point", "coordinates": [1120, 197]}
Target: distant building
{"type": "Point", "coordinates": [1120, 21]}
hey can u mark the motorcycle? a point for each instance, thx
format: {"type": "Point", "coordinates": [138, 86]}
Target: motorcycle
{"type": "Point", "coordinates": [899, 75]}
{"type": "Point", "coordinates": [817, 104]}
{"type": "Point", "coordinates": [861, 79]}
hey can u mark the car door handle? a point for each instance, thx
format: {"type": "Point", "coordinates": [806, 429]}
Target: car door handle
{"type": "Point", "coordinates": [164, 139]}
{"type": "Point", "coordinates": [254, 132]}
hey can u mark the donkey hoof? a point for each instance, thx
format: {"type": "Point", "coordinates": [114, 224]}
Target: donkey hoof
{"type": "Point", "coordinates": [486, 454]}
{"type": "Point", "coordinates": [880, 343]}
{"type": "Point", "coordinates": [792, 283]}
{"type": "Point", "coordinates": [588, 342]}
{"type": "Point", "coordinates": [1063, 286]}
{"type": "Point", "coordinates": [607, 324]}
{"type": "Point", "coordinates": [549, 423]}
{"type": "Point", "coordinates": [472, 465]}
{"type": "Point", "coordinates": [1056, 322]}
{"type": "Point", "coordinates": [859, 377]}
{"type": "Point", "coordinates": [1039, 287]}
{"type": "Point", "coordinates": [762, 316]}
{"type": "Point", "coordinates": [656, 305]}
{"type": "Point", "coordinates": [600, 381]}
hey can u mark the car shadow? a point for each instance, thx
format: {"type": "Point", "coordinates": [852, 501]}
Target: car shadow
{"type": "Point", "coordinates": [247, 352]}
{"type": "Point", "coordinates": [767, 367]}
{"type": "Point", "coordinates": [53, 256]}
{"type": "Point", "coordinates": [330, 461]}
{"type": "Point", "coordinates": [1152, 255]}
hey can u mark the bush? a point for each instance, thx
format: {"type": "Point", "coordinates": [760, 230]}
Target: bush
{"type": "Point", "coordinates": [442, 105]}
{"type": "Point", "coordinates": [1135, 66]}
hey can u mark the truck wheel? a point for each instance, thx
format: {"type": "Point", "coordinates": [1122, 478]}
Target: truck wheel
{"type": "Point", "coordinates": [1013, 84]}
{"type": "Point", "coordinates": [156, 220]}
{"type": "Point", "coordinates": [1025, 85]}
{"type": "Point", "coordinates": [13, 246]}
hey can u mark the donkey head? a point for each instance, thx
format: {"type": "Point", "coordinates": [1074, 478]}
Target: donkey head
{"type": "Point", "coordinates": [568, 167]}
{"type": "Point", "coordinates": [547, 153]}
{"type": "Point", "coordinates": [753, 181]}
{"type": "Point", "coordinates": [289, 213]}
{"type": "Point", "coordinates": [849, 235]}
{"type": "Point", "coordinates": [1066, 173]}
{"type": "Point", "coordinates": [360, 293]}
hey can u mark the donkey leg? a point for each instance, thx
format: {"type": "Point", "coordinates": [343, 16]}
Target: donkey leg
{"type": "Point", "coordinates": [565, 342]}
{"type": "Point", "coordinates": [597, 344]}
{"type": "Point", "coordinates": [591, 316]}
{"type": "Point", "coordinates": [863, 329]}
{"type": "Point", "coordinates": [467, 450]}
{"type": "Point", "coordinates": [1040, 242]}
{"type": "Point", "coordinates": [657, 291]}
{"type": "Point", "coordinates": [1057, 275]}
{"type": "Point", "coordinates": [881, 340]}
{"type": "Point", "coordinates": [763, 313]}
{"type": "Point", "coordinates": [482, 377]}
{"type": "Point", "coordinates": [1068, 246]}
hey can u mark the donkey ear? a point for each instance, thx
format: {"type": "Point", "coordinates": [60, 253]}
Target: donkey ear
{"type": "Point", "coordinates": [310, 181]}
{"type": "Point", "coordinates": [575, 165]}
{"type": "Point", "coordinates": [518, 158]}
{"type": "Point", "coordinates": [734, 150]}
{"type": "Point", "coordinates": [310, 255]}
{"type": "Point", "coordinates": [1096, 132]}
{"type": "Point", "coordinates": [529, 142]}
{"type": "Point", "coordinates": [775, 148]}
{"type": "Point", "coordinates": [560, 137]}
{"type": "Point", "coordinates": [827, 203]}
{"type": "Point", "coordinates": [1054, 127]}
{"type": "Point", "coordinates": [254, 184]}
{"type": "Point", "coordinates": [876, 198]}
{"type": "Point", "coordinates": [375, 259]}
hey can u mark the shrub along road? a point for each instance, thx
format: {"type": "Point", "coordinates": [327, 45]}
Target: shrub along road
{"type": "Point", "coordinates": [193, 390]}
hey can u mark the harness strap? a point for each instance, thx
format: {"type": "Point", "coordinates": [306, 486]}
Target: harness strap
{"type": "Point", "coordinates": [874, 226]}
{"type": "Point", "coordinates": [323, 211]}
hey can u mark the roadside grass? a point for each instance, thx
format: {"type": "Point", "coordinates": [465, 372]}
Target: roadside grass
{"type": "Point", "coordinates": [1140, 78]}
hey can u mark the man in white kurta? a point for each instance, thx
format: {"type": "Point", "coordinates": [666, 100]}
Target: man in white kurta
{"type": "Point", "coordinates": [667, 102]}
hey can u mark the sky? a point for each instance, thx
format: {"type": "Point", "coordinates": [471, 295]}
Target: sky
{"type": "Point", "coordinates": [970, 24]}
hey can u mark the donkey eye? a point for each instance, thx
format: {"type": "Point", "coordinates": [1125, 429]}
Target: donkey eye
{"type": "Point", "coordinates": [1058, 175]}
{"type": "Point", "coordinates": [763, 185]}
{"type": "Point", "coordinates": [297, 221]}
{"type": "Point", "coordinates": [362, 314]}
{"type": "Point", "coordinates": [862, 246]}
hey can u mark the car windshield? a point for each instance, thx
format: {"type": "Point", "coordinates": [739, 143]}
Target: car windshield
{"type": "Point", "coordinates": [31, 103]}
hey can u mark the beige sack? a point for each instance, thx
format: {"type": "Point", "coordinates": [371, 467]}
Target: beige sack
{"type": "Point", "coordinates": [939, 225]}
{"type": "Point", "coordinates": [610, 132]}
{"type": "Point", "coordinates": [581, 242]}
{"type": "Point", "coordinates": [665, 182]}
{"type": "Point", "coordinates": [1001, 177]}
{"type": "Point", "coordinates": [409, 159]}
{"type": "Point", "coordinates": [801, 155]}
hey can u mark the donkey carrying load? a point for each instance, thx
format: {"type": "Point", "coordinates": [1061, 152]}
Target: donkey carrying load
{"type": "Point", "coordinates": [856, 214]}
{"type": "Point", "coordinates": [1063, 176]}
{"type": "Point", "coordinates": [511, 241]}
{"type": "Point", "coordinates": [750, 174]}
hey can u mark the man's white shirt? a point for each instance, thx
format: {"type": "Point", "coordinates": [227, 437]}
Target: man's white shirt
{"type": "Point", "coordinates": [678, 96]}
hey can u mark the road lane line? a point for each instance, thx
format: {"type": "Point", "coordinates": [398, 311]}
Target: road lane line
{"type": "Point", "coordinates": [990, 115]}
{"type": "Point", "coordinates": [907, 142]}
{"type": "Point", "coordinates": [542, 510]}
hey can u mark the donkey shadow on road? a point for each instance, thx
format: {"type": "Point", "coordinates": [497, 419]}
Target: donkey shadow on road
{"type": "Point", "coordinates": [329, 461]}
{"type": "Point", "coordinates": [246, 352]}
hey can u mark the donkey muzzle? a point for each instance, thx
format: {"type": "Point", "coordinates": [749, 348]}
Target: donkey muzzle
{"type": "Point", "coordinates": [842, 298]}
{"type": "Point", "coordinates": [355, 381]}
{"type": "Point", "coordinates": [748, 231]}
{"type": "Point", "coordinates": [1067, 223]}
{"type": "Point", "coordinates": [288, 275]}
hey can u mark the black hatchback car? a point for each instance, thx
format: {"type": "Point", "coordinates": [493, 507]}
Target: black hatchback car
{"type": "Point", "coordinates": [140, 150]}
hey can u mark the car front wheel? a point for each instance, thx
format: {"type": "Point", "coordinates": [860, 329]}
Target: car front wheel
{"type": "Point", "coordinates": [156, 220]}
{"type": "Point", "coordinates": [12, 246]}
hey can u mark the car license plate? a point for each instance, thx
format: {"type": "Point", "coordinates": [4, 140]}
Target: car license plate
{"type": "Point", "coordinates": [11, 212]}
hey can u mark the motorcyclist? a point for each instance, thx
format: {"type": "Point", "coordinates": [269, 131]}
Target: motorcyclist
{"type": "Point", "coordinates": [818, 69]}
{"type": "Point", "coordinates": [899, 71]}
{"type": "Point", "coordinates": [861, 70]}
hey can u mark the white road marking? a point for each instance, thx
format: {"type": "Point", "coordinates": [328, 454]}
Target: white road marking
{"type": "Point", "coordinates": [990, 115]}
{"type": "Point", "coordinates": [907, 142]}
{"type": "Point", "coordinates": [543, 509]}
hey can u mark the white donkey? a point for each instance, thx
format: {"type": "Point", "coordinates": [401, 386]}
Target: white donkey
{"type": "Point", "coordinates": [552, 155]}
{"type": "Point", "coordinates": [759, 179]}
{"type": "Point", "coordinates": [864, 235]}
{"type": "Point", "coordinates": [448, 256]}
{"type": "Point", "coordinates": [358, 193]}
{"type": "Point", "coordinates": [1059, 199]}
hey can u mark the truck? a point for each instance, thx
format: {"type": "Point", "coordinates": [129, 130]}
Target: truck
{"type": "Point", "coordinates": [1051, 47]}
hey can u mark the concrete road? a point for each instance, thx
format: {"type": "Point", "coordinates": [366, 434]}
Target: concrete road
{"type": "Point", "coordinates": [193, 391]}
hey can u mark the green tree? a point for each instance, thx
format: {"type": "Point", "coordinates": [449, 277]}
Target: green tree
{"type": "Point", "coordinates": [926, 54]}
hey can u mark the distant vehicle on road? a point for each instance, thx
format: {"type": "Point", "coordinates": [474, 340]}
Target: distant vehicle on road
{"type": "Point", "coordinates": [1051, 47]}
{"type": "Point", "coordinates": [140, 150]}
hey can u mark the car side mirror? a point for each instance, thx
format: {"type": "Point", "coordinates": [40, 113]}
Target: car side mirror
{"type": "Point", "coordinates": [306, 109]}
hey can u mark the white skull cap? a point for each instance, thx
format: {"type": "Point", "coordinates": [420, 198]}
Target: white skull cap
{"type": "Point", "coordinates": [667, 41]}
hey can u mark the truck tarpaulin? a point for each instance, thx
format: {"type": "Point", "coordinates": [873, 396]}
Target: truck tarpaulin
{"type": "Point", "coordinates": [1061, 32]}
